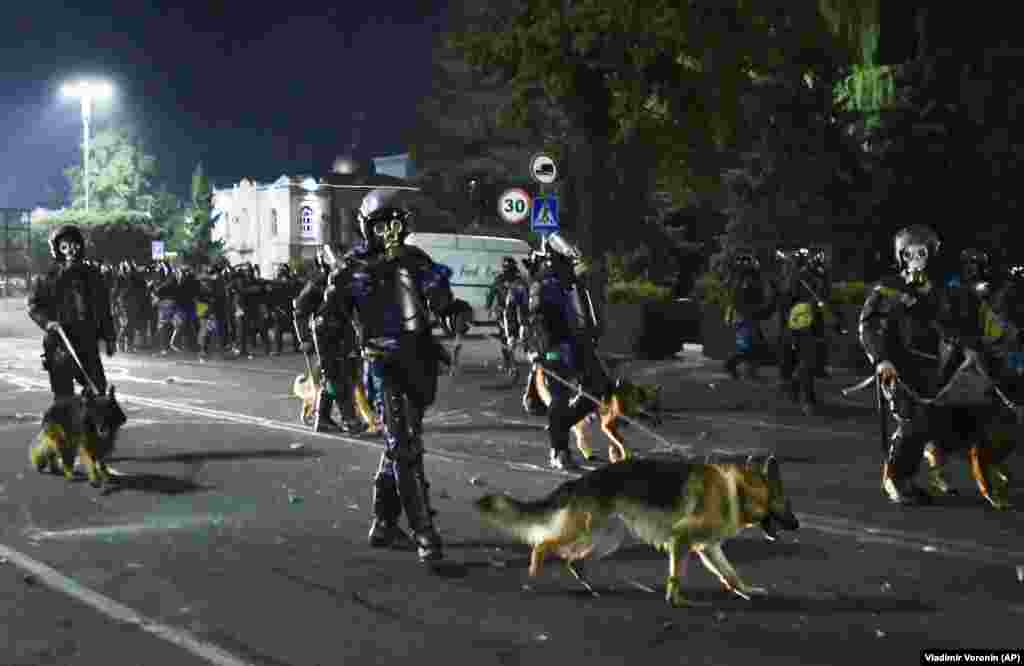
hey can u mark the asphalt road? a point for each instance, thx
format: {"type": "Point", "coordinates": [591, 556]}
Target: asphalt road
{"type": "Point", "coordinates": [238, 537]}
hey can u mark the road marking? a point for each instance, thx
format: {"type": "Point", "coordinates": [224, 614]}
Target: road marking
{"type": "Point", "coordinates": [116, 611]}
{"type": "Point", "coordinates": [902, 538]}
{"type": "Point", "coordinates": [36, 534]}
{"type": "Point", "coordinates": [826, 524]}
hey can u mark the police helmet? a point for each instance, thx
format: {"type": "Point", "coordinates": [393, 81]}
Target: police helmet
{"type": "Point", "coordinates": [68, 231]}
{"type": "Point", "coordinates": [384, 215]}
{"type": "Point", "coordinates": [917, 234]}
{"type": "Point", "coordinates": [557, 244]}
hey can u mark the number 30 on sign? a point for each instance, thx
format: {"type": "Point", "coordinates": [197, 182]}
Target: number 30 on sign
{"type": "Point", "coordinates": [514, 205]}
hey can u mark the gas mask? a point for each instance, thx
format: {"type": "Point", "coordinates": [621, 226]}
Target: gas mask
{"type": "Point", "coordinates": [915, 262]}
{"type": "Point", "coordinates": [389, 233]}
{"type": "Point", "coordinates": [71, 250]}
{"type": "Point", "coordinates": [914, 247]}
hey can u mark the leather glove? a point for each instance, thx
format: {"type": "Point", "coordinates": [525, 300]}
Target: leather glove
{"type": "Point", "coordinates": [887, 374]}
{"type": "Point", "coordinates": [306, 347]}
{"type": "Point", "coordinates": [111, 347]}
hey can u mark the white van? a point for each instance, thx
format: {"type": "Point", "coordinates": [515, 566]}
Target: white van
{"type": "Point", "coordinates": [474, 260]}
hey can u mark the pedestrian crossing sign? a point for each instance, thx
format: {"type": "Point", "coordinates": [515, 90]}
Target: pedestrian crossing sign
{"type": "Point", "coordinates": [545, 214]}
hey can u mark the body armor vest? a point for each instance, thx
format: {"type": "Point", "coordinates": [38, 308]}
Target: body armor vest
{"type": "Point", "coordinates": [73, 294]}
{"type": "Point", "coordinates": [395, 304]}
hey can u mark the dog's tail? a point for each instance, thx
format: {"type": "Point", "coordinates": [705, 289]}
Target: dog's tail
{"type": "Point", "coordinates": [523, 520]}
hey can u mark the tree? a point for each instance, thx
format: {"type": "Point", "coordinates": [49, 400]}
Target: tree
{"type": "Point", "coordinates": [121, 172]}
{"type": "Point", "coordinates": [666, 74]}
{"type": "Point", "coordinates": [198, 228]}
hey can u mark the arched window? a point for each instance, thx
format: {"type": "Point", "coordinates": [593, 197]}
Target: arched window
{"type": "Point", "coordinates": [273, 221]}
{"type": "Point", "coordinates": [307, 221]}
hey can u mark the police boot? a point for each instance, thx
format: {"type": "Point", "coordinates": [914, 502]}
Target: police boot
{"type": "Point", "coordinates": [901, 489]}
{"type": "Point", "coordinates": [387, 507]}
{"type": "Point", "coordinates": [413, 490]}
{"type": "Point", "coordinates": [323, 421]}
{"type": "Point", "coordinates": [938, 486]}
{"type": "Point", "coordinates": [731, 366]}
{"type": "Point", "coordinates": [176, 339]}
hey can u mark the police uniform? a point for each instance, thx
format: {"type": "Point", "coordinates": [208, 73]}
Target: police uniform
{"type": "Point", "coordinates": [74, 295]}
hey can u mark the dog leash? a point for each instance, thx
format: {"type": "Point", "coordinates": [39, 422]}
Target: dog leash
{"type": "Point", "coordinates": [74, 355]}
{"type": "Point", "coordinates": [580, 392]}
{"type": "Point", "coordinates": [967, 364]}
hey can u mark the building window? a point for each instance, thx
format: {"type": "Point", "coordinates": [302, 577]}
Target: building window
{"type": "Point", "coordinates": [273, 221]}
{"type": "Point", "coordinates": [307, 222]}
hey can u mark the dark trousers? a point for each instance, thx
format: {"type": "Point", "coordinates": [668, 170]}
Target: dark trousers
{"type": "Point", "coordinates": [63, 370]}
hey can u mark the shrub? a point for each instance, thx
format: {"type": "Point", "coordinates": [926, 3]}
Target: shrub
{"type": "Point", "coordinates": [637, 291]}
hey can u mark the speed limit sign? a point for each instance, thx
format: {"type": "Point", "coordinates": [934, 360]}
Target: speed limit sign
{"type": "Point", "coordinates": [514, 205]}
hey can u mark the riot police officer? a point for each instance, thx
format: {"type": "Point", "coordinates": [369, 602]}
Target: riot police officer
{"type": "Point", "coordinates": [390, 288]}
{"type": "Point", "coordinates": [915, 332]}
{"type": "Point", "coordinates": [73, 296]}
{"type": "Point", "coordinates": [565, 325]}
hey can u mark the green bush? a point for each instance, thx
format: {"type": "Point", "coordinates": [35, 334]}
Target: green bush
{"type": "Point", "coordinates": [638, 291]}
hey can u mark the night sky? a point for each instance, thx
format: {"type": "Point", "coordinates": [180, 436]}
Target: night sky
{"type": "Point", "coordinates": [252, 89]}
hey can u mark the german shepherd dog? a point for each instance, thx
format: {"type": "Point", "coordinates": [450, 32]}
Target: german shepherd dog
{"type": "Point", "coordinates": [623, 399]}
{"type": "Point", "coordinates": [306, 387]}
{"type": "Point", "coordinates": [676, 506]}
{"type": "Point", "coordinates": [85, 426]}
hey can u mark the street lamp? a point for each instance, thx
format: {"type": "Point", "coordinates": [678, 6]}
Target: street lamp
{"type": "Point", "coordinates": [86, 92]}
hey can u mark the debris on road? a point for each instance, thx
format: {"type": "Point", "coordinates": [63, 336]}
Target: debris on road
{"type": "Point", "coordinates": [879, 633]}
{"type": "Point", "coordinates": [170, 380]}
{"type": "Point", "coordinates": [296, 445]}
{"type": "Point", "coordinates": [29, 579]}
{"type": "Point", "coordinates": [929, 549]}
{"type": "Point", "coordinates": [1020, 573]}
{"type": "Point", "coordinates": [476, 481]}
{"type": "Point", "coordinates": [444, 494]}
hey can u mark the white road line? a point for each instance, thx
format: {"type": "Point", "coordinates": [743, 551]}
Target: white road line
{"type": "Point", "coordinates": [826, 524]}
{"type": "Point", "coordinates": [36, 534]}
{"type": "Point", "coordinates": [112, 609]}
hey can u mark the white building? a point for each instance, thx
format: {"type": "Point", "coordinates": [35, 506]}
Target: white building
{"type": "Point", "coordinates": [275, 223]}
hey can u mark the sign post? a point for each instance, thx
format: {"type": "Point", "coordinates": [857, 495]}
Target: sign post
{"type": "Point", "coordinates": [158, 250]}
{"type": "Point", "coordinates": [544, 214]}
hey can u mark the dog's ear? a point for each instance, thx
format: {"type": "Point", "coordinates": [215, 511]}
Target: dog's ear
{"type": "Point", "coordinates": [618, 383]}
{"type": "Point", "coordinates": [771, 467]}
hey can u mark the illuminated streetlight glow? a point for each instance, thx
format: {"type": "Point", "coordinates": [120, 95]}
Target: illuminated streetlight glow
{"type": "Point", "coordinates": [86, 92]}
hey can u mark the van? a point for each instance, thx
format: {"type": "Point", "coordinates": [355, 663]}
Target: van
{"type": "Point", "coordinates": [475, 262]}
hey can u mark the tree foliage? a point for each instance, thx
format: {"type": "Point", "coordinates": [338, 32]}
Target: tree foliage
{"type": "Point", "coordinates": [197, 238]}
{"type": "Point", "coordinates": [653, 92]}
{"type": "Point", "coordinates": [121, 172]}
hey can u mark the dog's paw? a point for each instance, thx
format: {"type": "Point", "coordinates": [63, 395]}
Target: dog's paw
{"type": "Point", "coordinates": [748, 592]}
{"type": "Point", "coordinates": [999, 503]}
{"type": "Point", "coordinates": [675, 597]}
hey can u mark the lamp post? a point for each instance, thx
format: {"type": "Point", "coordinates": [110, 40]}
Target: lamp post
{"type": "Point", "coordinates": [86, 92]}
